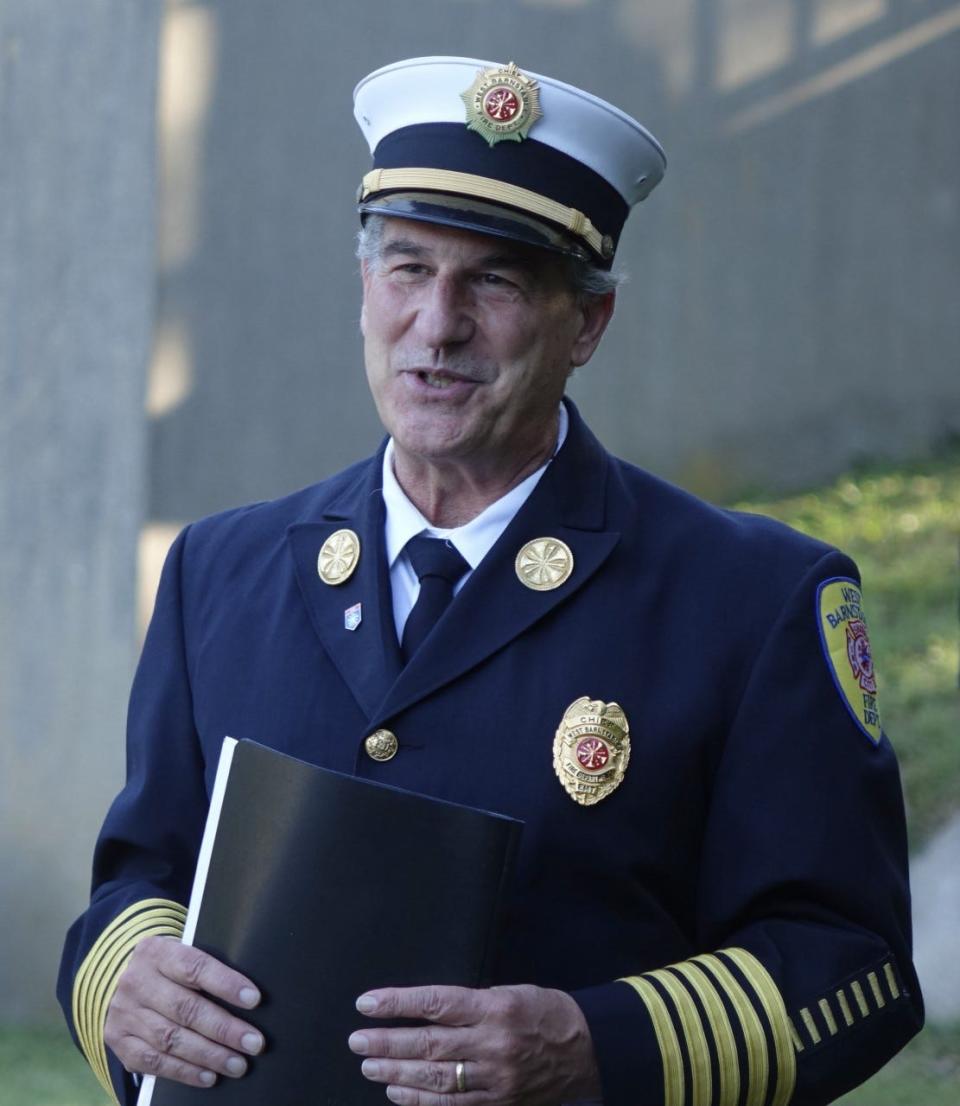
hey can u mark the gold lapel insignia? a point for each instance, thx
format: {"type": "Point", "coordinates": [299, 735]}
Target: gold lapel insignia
{"type": "Point", "coordinates": [502, 104]}
{"type": "Point", "coordinates": [338, 557]}
{"type": "Point", "coordinates": [544, 564]}
{"type": "Point", "coordinates": [591, 750]}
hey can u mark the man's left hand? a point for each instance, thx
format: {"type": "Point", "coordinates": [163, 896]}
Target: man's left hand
{"type": "Point", "coordinates": [520, 1044]}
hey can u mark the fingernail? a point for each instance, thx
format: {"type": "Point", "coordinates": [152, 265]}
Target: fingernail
{"type": "Point", "coordinates": [236, 1066]}
{"type": "Point", "coordinates": [359, 1042]}
{"type": "Point", "coordinates": [366, 1004]}
{"type": "Point", "coordinates": [249, 997]}
{"type": "Point", "coordinates": [207, 1078]}
{"type": "Point", "coordinates": [370, 1068]}
{"type": "Point", "coordinates": [396, 1094]}
{"type": "Point", "coordinates": [251, 1042]}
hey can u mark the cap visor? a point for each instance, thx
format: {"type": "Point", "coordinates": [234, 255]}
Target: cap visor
{"type": "Point", "coordinates": [474, 215]}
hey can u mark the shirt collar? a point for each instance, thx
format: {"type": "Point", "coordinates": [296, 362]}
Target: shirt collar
{"type": "Point", "coordinates": [475, 538]}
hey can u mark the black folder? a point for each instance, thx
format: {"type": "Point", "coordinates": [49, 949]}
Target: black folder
{"type": "Point", "coordinates": [321, 886]}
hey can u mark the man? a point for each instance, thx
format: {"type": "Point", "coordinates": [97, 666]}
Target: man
{"type": "Point", "coordinates": [711, 901]}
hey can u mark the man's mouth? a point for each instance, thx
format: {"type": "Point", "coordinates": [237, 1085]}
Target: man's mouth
{"type": "Point", "coordinates": [437, 380]}
{"type": "Point", "coordinates": [441, 379]}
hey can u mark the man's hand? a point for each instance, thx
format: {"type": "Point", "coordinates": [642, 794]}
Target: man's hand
{"type": "Point", "coordinates": [160, 1022]}
{"type": "Point", "coordinates": [516, 1044]}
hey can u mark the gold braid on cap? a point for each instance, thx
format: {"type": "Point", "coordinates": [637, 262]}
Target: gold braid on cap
{"type": "Point", "coordinates": [485, 188]}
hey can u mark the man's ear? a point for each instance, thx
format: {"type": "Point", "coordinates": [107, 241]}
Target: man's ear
{"type": "Point", "coordinates": [597, 311]}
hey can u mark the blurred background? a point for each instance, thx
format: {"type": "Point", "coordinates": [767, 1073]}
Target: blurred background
{"type": "Point", "coordinates": [179, 308]}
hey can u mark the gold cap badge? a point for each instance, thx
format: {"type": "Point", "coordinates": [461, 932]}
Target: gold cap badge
{"type": "Point", "coordinates": [502, 104]}
{"type": "Point", "coordinates": [338, 557]}
{"type": "Point", "coordinates": [544, 564]}
{"type": "Point", "coordinates": [591, 750]}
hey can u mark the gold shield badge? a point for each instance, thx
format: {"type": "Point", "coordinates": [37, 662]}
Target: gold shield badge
{"type": "Point", "coordinates": [502, 104]}
{"type": "Point", "coordinates": [591, 750]}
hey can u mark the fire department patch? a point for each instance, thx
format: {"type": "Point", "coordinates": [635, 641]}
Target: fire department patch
{"type": "Point", "coordinates": [591, 749]}
{"type": "Point", "coordinates": [846, 645]}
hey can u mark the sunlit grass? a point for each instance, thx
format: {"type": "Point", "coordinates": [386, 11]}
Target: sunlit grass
{"type": "Point", "coordinates": [902, 527]}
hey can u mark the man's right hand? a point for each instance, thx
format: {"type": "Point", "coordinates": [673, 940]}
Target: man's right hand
{"type": "Point", "coordinates": [160, 1021]}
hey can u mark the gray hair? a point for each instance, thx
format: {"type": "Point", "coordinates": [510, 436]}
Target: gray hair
{"type": "Point", "coordinates": [583, 277]}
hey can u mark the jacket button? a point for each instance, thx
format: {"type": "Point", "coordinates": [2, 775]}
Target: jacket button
{"type": "Point", "coordinates": [381, 745]}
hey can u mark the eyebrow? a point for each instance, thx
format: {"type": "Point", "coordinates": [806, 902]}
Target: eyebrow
{"type": "Point", "coordinates": [501, 260]}
{"type": "Point", "coordinates": [402, 245]}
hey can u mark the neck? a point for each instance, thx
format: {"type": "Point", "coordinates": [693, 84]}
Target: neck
{"type": "Point", "coordinates": [452, 493]}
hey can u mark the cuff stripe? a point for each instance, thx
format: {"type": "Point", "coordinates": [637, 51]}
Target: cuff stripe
{"type": "Point", "coordinates": [859, 996]}
{"type": "Point", "coordinates": [875, 987]}
{"type": "Point", "coordinates": [703, 997]}
{"type": "Point", "coordinates": [100, 981]}
{"type": "Point", "coordinates": [698, 1049]}
{"type": "Point", "coordinates": [98, 974]}
{"type": "Point", "coordinates": [727, 1065]}
{"type": "Point", "coordinates": [758, 1063]}
{"type": "Point", "coordinates": [108, 977]}
{"type": "Point", "coordinates": [853, 1001]}
{"type": "Point", "coordinates": [673, 1083]}
{"type": "Point", "coordinates": [775, 1011]}
{"type": "Point", "coordinates": [891, 980]}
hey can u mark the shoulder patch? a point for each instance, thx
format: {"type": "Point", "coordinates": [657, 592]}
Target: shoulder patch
{"type": "Point", "coordinates": [846, 645]}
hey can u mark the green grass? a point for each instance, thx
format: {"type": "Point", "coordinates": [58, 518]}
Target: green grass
{"type": "Point", "coordinates": [41, 1067]}
{"type": "Point", "coordinates": [926, 1073]}
{"type": "Point", "coordinates": [902, 527]}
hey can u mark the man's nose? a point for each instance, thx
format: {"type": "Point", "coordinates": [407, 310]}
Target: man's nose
{"type": "Point", "coordinates": [444, 318]}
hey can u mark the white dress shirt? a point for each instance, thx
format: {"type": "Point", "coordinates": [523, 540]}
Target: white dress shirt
{"type": "Point", "coordinates": [473, 540]}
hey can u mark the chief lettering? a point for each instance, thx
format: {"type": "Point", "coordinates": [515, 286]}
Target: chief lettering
{"type": "Point", "coordinates": [591, 750]}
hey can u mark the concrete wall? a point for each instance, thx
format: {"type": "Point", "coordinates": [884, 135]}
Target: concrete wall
{"type": "Point", "coordinates": [792, 303]}
{"type": "Point", "coordinates": [76, 292]}
{"type": "Point", "coordinates": [794, 278]}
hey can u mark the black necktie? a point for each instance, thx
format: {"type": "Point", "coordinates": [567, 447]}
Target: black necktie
{"type": "Point", "coordinates": [439, 567]}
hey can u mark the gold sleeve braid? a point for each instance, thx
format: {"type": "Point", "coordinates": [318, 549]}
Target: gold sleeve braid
{"type": "Point", "coordinates": [708, 1038]}
{"type": "Point", "coordinates": [98, 975]}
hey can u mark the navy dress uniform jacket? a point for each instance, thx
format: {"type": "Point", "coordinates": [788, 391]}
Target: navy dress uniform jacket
{"type": "Point", "coordinates": [733, 919]}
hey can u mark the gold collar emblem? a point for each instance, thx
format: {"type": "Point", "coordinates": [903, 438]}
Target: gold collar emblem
{"type": "Point", "coordinates": [591, 750]}
{"type": "Point", "coordinates": [502, 104]}
{"type": "Point", "coordinates": [544, 564]}
{"type": "Point", "coordinates": [338, 557]}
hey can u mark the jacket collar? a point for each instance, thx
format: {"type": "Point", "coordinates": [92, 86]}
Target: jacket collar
{"type": "Point", "coordinates": [492, 609]}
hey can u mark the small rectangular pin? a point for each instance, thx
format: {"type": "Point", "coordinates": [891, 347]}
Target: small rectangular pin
{"type": "Point", "coordinates": [353, 616]}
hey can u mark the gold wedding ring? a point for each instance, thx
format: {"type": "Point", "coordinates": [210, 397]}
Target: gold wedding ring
{"type": "Point", "coordinates": [461, 1077]}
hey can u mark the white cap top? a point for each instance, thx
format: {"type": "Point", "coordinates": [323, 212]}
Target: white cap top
{"type": "Point", "coordinates": [594, 132]}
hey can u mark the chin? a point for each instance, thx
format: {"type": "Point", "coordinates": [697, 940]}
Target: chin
{"type": "Point", "coordinates": [440, 440]}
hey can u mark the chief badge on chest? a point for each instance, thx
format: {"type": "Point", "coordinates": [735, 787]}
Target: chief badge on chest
{"type": "Point", "coordinates": [591, 750]}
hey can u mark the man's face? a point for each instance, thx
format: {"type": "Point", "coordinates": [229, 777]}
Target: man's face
{"type": "Point", "coordinates": [469, 340]}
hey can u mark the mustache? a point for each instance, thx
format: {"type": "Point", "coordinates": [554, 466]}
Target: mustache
{"type": "Point", "coordinates": [467, 366]}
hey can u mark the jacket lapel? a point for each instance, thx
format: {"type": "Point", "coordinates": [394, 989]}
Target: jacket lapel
{"type": "Point", "coordinates": [494, 607]}
{"type": "Point", "coordinates": [367, 657]}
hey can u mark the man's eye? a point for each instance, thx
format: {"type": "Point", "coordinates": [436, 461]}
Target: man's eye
{"type": "Point", "coordinates": [409, 271]}
{"type": "Point", "coordinates": [495, 280]}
